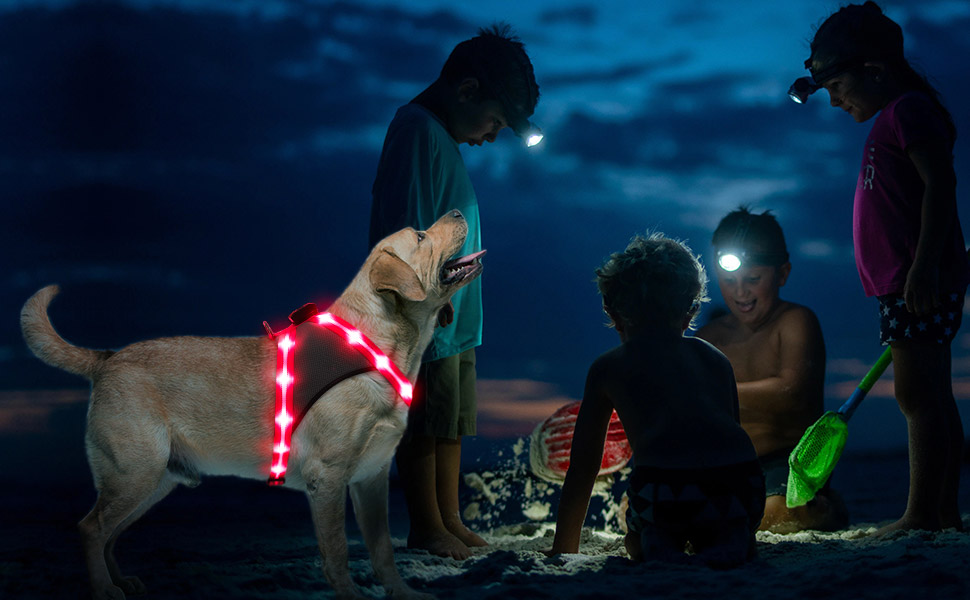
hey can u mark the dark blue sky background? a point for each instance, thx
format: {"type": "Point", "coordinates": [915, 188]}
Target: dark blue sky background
{"type": "Point", "coordinates": [190, 167]}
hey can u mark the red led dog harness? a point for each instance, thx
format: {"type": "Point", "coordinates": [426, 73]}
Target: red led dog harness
{"type": "Point", "coordinates": [331, 350]}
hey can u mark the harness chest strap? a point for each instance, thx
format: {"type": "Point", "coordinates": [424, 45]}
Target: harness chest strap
{"type": "Point", "coordinates": [368, 358]}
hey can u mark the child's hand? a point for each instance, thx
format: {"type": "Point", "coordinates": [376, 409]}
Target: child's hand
{"type": "Point", "coordinates": [446, 315]}
{"type": "Point", "coordinates": [922, 289]}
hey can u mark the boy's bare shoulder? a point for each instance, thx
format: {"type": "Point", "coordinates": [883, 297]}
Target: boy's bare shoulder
{"type": "Point", "coordinates": [794, 310]}
{"type": "Point", "coordinates": [718, 329]}
{"type": "Point", "coordinates": [796, 318]}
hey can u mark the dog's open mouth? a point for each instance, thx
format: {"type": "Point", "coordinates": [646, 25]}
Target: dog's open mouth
{"type": "Point", "coordinates": [461, 268]}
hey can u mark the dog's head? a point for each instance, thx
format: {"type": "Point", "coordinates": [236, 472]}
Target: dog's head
{"type": "Point", "coordinates": [421, 266]}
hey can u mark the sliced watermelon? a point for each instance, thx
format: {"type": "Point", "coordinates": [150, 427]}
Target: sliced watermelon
{"type": "Point", "coordinates": [552, 441]}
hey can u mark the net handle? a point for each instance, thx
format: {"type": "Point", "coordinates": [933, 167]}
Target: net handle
{"type": "Point", "coordinates": [866, 384]}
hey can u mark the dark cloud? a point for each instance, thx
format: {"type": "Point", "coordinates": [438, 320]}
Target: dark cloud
{"type": "Point", "coordinates": [105, 78]}
{"type": "Point", "coordinates": [574, 15]}
{"type": "Point", "coordinates": [713, 130]}
{"type": "Point", "coordinates": [691, 14]}
{"type": "Point", "coordinates": [619, 73]}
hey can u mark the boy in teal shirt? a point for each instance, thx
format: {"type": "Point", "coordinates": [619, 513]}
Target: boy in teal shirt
{"type": "Point", "coordinates": [486, 84]}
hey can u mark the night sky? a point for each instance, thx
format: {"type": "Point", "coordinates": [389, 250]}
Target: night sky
{"type": "Point", "coordinates": [185, 167]}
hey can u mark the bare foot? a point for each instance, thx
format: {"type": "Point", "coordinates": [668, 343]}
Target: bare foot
{"type": "Point", "coordinates": [441, 543]}
{"type": "Point", "coordinates": [463, 533]}
{"type": "Point", "coordinates": [906, 524]}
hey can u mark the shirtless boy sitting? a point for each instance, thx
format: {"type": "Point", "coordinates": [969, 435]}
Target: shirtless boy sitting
{"type": "Point", "coordinates": [778, 355]}
{"type": "Point", "coordinates": [696, 477]}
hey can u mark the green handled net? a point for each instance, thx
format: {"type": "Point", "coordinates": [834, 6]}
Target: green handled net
{"type": "Point", "coordinates": [814, 458]}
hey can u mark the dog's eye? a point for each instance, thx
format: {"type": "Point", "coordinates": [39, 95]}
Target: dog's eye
{"type": "Point", "coordinates": [420, 235]}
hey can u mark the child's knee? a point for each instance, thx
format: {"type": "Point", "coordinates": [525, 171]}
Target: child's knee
{"type": "Point", "coordinates": [776, 511]}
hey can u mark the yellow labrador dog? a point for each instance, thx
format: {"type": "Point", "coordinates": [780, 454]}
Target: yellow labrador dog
{"type": "Point", "coordinates": [166, 411]}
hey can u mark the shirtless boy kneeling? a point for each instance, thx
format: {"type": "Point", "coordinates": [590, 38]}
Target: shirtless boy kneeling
{"type": "Point", "coordinates": [696, 478]}
{"type": "Point", "coordinates": [778, 355]}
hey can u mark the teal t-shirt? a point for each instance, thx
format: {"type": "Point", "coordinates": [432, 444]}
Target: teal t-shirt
{"type": "Point", "coordinates": [420, 177]}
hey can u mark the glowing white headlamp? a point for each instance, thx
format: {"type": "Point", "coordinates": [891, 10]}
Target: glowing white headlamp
{"type": "Point", "coordinates": [730, 260]}
{"type": "Point", "coordinates": [531, 134]}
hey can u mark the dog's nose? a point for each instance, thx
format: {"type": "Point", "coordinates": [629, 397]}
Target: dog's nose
{"type": "Point", "coordinates": [457, 214]}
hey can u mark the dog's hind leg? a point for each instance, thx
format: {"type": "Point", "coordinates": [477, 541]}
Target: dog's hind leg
{"type": "Point", "coordinates": [116, 504]}
{"type": "Point", "coordinates": [128, 460]}
{"type": "Point", "coordinates": [370, 506]}
{"type": "Point", "coordinates": [131, 584]}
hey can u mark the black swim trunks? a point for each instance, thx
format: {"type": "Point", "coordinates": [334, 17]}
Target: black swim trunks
{"type": "Point", "coordinates": [775, 467]}
{"type": "Point", "coordinates": [717, 510]}
{"type": "Point", "coordinates": [897, 324]}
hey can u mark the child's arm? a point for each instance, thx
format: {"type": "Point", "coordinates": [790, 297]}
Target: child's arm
{"type": "Point", "coordinates": [797, 391]}
{"type": "Point", "coordinates": [934, 163]}
{"type": "Point", "coordinates": [584, 461]}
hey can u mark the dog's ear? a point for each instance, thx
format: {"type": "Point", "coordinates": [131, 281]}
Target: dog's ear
{"type": "Point", "coordinates": [390, 273]}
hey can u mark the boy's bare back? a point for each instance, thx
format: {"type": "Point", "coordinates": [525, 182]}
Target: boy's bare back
{"type": "Point", "coordinates": [678, 403]}
{"type": "Point", "coordinates": [779, 367]}
{"type": "Point", "coordinates": [677, 400]}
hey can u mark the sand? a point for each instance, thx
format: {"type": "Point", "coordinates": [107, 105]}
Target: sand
{"type": "Point", "coordinates": [231, 538]}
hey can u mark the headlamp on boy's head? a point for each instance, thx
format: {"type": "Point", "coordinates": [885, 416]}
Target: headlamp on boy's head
{"type": "Point", "coordinates": [534, 136]}
{"type": "Point", "coordinates": [732, 259]}
{"type": "Point", "coordinates": [806, 86]}
{"type": "Point", "coordinates": [527, 130]}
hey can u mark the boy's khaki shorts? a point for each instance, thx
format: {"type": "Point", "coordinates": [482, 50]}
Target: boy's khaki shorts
{"type": "Point", "coordinates": [445, 405]}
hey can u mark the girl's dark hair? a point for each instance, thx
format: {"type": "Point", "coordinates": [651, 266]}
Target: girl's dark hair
{"type": "Point", "coordinates": [860, 32]}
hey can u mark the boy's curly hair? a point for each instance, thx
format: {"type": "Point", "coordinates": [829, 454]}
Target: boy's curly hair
{"type": "Point", "coordinates": [655, 279]}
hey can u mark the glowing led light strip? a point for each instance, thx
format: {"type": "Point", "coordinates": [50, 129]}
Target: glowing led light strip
{"type": "Point", "coordinates": [285, 379]}
{"type": "Point", "coordinates": [377, 358]}
{"type": "Point", "coordinates": [284, 406]}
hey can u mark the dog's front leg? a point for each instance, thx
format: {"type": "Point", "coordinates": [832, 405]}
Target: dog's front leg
{"type": "Point", "coordinates": [326, 489]}
{"type": "Point", "coordinates": [370, 506]}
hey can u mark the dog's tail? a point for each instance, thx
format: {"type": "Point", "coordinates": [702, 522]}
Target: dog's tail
{"type": "Point", "coordinates": [48, 346]}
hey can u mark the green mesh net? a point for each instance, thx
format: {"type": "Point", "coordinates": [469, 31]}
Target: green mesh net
{"type": "Point", "coordinates": [813, 459]}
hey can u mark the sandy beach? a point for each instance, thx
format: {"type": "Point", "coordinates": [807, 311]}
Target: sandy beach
{"type": "Point", "coordinates": [232, 538]}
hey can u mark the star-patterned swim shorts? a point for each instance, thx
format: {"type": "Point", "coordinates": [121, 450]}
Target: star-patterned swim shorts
{"type": "Point", "coordinates": [898, 324]}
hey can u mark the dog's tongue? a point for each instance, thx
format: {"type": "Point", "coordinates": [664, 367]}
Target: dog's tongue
{"type": "Point", "coordinates": [457, 269]}
{"type": "Point", "coordinates": [462, 261]}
